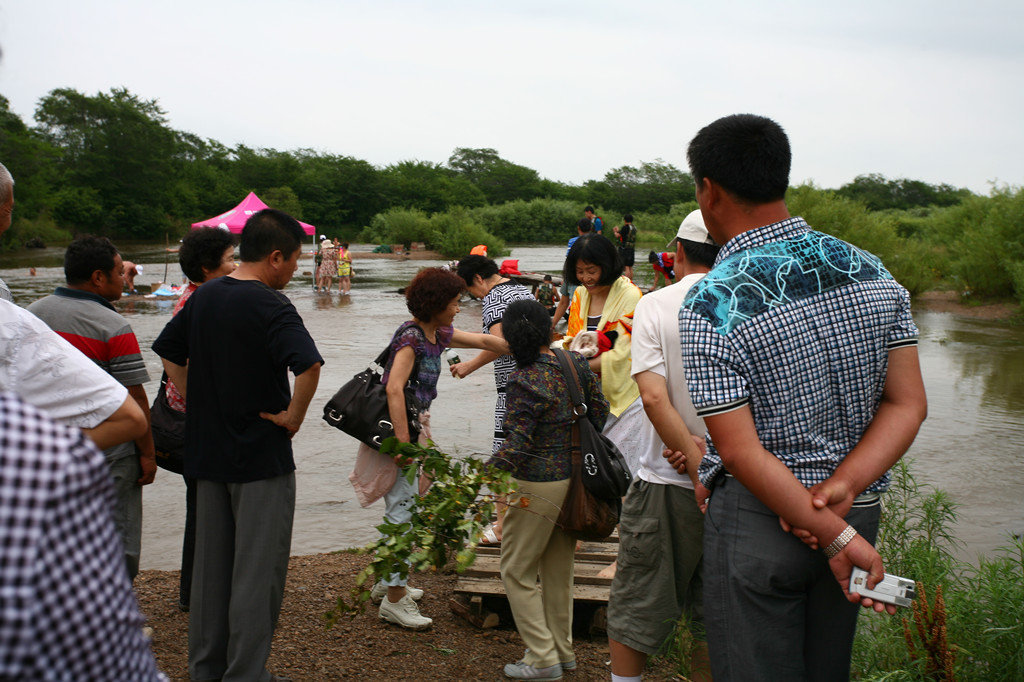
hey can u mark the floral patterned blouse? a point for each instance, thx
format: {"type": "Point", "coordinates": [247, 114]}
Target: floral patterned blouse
{"type": "Point", "coordinates": [538, 421]}
{"type": "Point", "coordinates": [428, 354]}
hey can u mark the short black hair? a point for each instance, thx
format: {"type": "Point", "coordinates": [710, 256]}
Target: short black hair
{"type": "Point", "coordinates": [203, 248]}
{"type": "Point", "coordinates": [588, 208]}
{"type": "Point", "coordinates": [470, 266]}
{"type": "Point", "coordinates": [526, 327]}
{"type": "Point", "coordinates": [700, 252]}
{"type": "Point", "coordinates": [748, 155]}
{"type": "Point", "coordinates": [628, 218]}
{"type": "Point", "coordinates": [596, 249]}
{"type": "Point", "coordinates": [584, 225]}
{"type": "Point", "coordinates": [547, 278]}
{"type": "Point", "coordinates": [268, 231]}
{"type": "Point", "coordinates": [87, 254]}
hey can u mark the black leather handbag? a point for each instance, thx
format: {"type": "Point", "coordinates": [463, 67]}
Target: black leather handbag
{"type": "Point", "coordinates": [604, 471]}
{"type": "Point", "coordinates": [360, 407]}
{"type": "Point", "coordinates": [168, 426]}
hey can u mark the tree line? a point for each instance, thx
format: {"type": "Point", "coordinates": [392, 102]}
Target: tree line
{"type": "Point", "coordinates": [111, 164]}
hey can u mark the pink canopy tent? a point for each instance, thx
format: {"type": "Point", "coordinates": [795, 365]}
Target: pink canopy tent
{"type": "Point", "coordinates": [234, 220]}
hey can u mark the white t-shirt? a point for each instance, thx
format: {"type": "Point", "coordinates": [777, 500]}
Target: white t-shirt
{"type": "Point", "coordinates": [656, 348]}
{"type": "Point", "coordinates": [49, 373]}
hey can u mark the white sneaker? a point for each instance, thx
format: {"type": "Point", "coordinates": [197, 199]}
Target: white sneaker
{"type": "Point", "coordinates": [404, 612]}
{"type": "Point", "coordinates": [380, 590]}
{"type": "Point", "coordinates": [522, 671]}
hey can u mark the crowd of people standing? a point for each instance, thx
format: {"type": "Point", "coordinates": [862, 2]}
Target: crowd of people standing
{"type": "Point", "coordinates": [759, 401]}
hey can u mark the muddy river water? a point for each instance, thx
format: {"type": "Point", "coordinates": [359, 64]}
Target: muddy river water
{"type": "Point", "coordinates": [971, 445]}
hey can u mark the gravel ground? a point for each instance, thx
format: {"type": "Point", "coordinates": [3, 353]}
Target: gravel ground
{"type": "Point", "coordinates": [366, 648]}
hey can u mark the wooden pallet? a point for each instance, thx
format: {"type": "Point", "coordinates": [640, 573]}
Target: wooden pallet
{"type": "Point", "coordinates": [483, 579]}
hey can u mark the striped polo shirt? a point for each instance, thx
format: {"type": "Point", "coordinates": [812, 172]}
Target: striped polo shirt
{"type": "Point", "coordinates": [797, 325]}
{"type": "Point", "coordinates": [90, 324]}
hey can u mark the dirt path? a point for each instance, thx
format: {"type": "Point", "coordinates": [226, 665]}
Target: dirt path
{"type": "Point", "coordinates": [364, 648]}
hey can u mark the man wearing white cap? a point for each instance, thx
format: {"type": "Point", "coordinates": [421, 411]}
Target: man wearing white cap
{"type": "Point", "coordinates": [662, 528]}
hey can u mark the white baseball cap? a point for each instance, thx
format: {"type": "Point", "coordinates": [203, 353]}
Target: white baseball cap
{"type": "Point", "coordinates": [692, 229]}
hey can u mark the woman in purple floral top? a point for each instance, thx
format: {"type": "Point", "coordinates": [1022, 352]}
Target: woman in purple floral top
{"type": "Point", "coordinates": [538, 435]}
{"type": "Point", "coordinates": [433, 299]}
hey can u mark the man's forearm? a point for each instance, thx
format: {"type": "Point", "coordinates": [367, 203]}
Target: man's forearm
{"type": "Point", "coordinates": [127, 423]}
{"type": "Point", "coordinates": [667, 421]}
{"type": "Point", "coordinates": [145, 441]}
{"type": "Point", "coordinates": [305, 387]}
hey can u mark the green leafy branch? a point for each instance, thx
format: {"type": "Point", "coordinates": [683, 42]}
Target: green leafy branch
{"type": "Point", "coordinates": [446, 524]}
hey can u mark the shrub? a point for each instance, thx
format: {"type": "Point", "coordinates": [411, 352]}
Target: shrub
{"type": "Point", "coordinates": [25, 230]}
{"type": "Point", "coordinates": [454, 233]}
{"type": "Point", "coordinates": [398, 226]}
{"type": "Point", "coordinates": [549, 221]}
{"type": "Point", "coordinates": [987, 234]}
{"type": "Point", "coordinates": [983, 620]}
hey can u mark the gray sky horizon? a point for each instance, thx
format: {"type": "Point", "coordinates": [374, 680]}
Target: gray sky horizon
{"type": "Point", "coordinates": [923, 90]}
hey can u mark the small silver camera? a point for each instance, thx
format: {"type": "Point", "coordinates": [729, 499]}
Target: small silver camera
{"type": "Point", "coordinates": [892, 589]}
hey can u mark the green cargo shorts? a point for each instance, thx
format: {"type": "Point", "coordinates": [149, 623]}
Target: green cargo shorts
{"type": "Point", "coordinates": [661, 534]}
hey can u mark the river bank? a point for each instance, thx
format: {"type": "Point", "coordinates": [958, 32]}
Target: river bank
{"type": "Point", "coordinates": [951, 302]}
{"type": "Point", "coordinates": [365, 648]}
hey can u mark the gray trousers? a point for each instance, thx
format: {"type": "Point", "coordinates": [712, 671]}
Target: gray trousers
{"type": "Point", "coordinates": [126, 472]}
{"type": "Point", "coordinates": [772, 609]}
{"type": "Point", "coordinates": [243, 540]}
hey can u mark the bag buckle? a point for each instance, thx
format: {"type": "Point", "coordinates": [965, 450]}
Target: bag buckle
{"type": "Point", "coordinates": [579, 410]}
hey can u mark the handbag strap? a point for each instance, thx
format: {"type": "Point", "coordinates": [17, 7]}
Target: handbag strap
{"type": "Point", "coordinates": [572, 380]}
{"type": "Point", "coordinates": [382, 359]}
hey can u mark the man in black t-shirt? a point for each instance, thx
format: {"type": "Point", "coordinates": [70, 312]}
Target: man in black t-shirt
{"type": "Point", "coordinates": [231, 347]}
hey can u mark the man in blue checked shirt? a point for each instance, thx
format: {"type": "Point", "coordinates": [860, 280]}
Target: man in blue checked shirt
{"type": "Point", "coordinates": [801, 357]}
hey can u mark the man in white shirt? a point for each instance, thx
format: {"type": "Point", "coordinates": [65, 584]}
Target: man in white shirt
{"type": "Point", "coordinates": [661, 528]}
{"type": "Point", "coordinates": [47, 372]}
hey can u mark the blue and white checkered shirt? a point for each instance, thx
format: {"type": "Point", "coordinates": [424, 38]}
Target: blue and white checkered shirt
{"type": "Point", "coordinates": [67, 611]}
{"type": "Point", "coordinates": [798, 325]}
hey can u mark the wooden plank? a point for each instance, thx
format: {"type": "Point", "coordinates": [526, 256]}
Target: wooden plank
{"type": "Point", "coordinates": [584, 572]}
{"type": "Point", "coordinates": [494, 587]}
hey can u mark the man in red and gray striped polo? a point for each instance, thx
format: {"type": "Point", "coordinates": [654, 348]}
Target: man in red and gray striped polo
{"type": "Point", "coordinates": [81, 313]}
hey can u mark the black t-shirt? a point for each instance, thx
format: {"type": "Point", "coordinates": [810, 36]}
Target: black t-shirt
{"type": "Point", "coordinates": [239, 338]}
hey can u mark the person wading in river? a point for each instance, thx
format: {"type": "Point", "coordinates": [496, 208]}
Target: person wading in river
{"type": "Point", "coordinates": [801, 357]}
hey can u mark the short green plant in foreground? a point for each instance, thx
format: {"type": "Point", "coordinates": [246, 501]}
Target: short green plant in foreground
{"type": "Point", "coordinates": [967, 622]}
{"type": "Point", "coordinates": [446, 522]}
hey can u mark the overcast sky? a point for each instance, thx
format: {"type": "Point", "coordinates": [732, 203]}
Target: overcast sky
{"type": "Point", "coordinates": [925, 90]}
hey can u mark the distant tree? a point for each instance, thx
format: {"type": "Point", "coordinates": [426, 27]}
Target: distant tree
{"type": "Point", "coordinates": [653, 187]}
{"type": "Point", "coordinates": [30, 159]}
{"type": "Point", "coordinates": [879, 193]}
{"type": "Point", "coordinates": [498, 179]}
{"type": "Point", "coordinates": [120, 146]}
{"type": "Point", "coordinates": [337, 191]}
{"type": "Point", "coordinates": [283, 199]}
{"type": "Point", "coordinates": [428, 186]}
